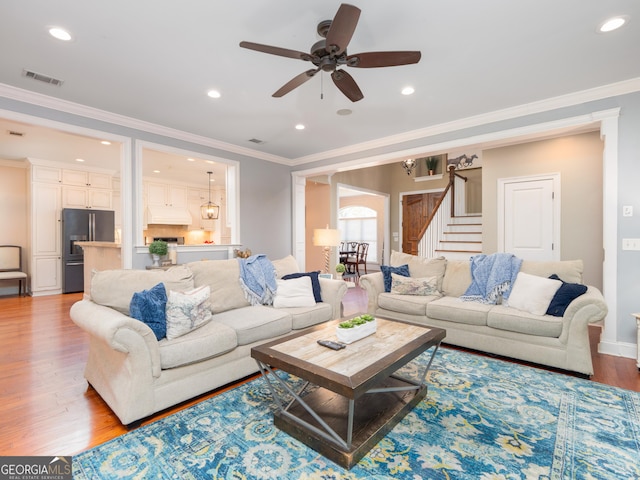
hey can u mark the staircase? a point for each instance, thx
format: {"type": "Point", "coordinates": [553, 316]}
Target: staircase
{"type": "Point", "coordinates": [461, 238]}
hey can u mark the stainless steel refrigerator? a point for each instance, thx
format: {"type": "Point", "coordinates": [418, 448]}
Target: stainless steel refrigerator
{"type": "Point", "coordinates": [80, 225]}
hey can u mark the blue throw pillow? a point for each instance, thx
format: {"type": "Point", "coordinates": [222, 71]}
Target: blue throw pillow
{"type": "Point", "coordinates": [315, 283]}
{"type": "Point", "coordinates": [387, 271]}
{"type": "Point", "coordinates": [149, 307]}
{"type": "Point", "coordinates": [566, 294]}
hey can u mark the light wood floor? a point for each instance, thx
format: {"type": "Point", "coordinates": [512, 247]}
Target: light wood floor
{"type": "Point", "coordinates": [47, 408]}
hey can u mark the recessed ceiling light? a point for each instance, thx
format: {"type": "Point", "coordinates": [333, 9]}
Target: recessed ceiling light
{"type": "Point", "coordinates": [213, 93]}
{"type": "Point", "coordinates": [299, 126]}
{"type": "Point", "coordinates": [60, 34]}
{"type": "Point", "coordinates": [191, 159]}
{"type": "Point", "coordinates": [156, 171]}
{"type": "Point", "coordinates": [105, 142]}
{"type": "Point", "coordinates": [613, 24]}
{"type": "Point", "coordinates": [408, 91]}
{"type": "Point", "coordinates": [344, 111]}
{"type": "Point", "coordinates": [79, 160]}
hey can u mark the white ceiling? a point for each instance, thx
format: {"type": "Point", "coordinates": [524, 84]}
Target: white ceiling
{"type": "Point", "coordinates": [154, 60]}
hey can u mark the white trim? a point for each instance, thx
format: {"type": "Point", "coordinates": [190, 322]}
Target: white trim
{"type": "Point", "coordinates": [618, 349]}
{"type": "Point", "coordinates": [609, 338]}
{"type": "Point", "coordinates": [555, 178]}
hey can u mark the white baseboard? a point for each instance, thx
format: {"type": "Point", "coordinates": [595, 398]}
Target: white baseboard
{"type": "Point", "coordinates": [618, 349]}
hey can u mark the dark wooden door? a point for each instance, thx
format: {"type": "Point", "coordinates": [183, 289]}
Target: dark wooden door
{"type": "Point", "coordinates": [415, 211]}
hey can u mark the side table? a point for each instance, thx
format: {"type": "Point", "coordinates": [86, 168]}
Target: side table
{"type": "Point", "coordinates": [637, 316]}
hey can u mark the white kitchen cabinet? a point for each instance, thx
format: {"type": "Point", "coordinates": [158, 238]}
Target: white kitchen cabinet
{"type": "Point", "coordinates": [45, 174]}
{"type": "Point", "coordinates": [166, 195]}
{"type": "Point", "coordinates": [83, 178]}
{"type": "Point", "coordinates": [86, 197]}
{"type": "Point", "coordinates": [46, 238]}
{"type": "Point", "coordinates": [46, 275]}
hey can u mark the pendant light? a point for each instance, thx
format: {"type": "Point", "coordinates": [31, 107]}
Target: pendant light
{"type": "Point", "coordinates": [209, 211]}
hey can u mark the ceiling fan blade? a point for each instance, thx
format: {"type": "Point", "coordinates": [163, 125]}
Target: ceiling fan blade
{"type": "Point", "coordinates": [282, 52]}
{"type": "Point", "coordinates": [295, 82]}
{"type": "Point", "coordinates": [382, 59]}
{"type": "Point", "coordinates": [347, 85]}
{"type": "Point", "coordinates": [342, 28]}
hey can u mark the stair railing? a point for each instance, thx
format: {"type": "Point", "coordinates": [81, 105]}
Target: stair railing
{"type": "Point", "coordinates": [431, 232]}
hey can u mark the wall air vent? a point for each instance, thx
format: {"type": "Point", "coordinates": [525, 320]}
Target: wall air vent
{"type": "Point", "coordinates": [42, 78]}
{"type": "Point", "coordinates": [257, 141]}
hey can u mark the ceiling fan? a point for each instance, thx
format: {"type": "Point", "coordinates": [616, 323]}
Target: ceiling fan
{"type": "Point", "coordinates": [329, 54]}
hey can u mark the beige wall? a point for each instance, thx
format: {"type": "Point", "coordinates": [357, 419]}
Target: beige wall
{"type": "Point", "coordinates": [318, 215]}
{"type": "Point", "coordinates": [14, 214]}
{"type": "Point", "coordinates": [578, 159]}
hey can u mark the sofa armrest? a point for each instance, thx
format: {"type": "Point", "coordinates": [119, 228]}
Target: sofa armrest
{"type": "Point", "coordinates": [119, 332]}
{"type": "Point", "coordinates": [373, 284]}
{"type": "Point", "coordinates": [582, 311]}
{"type": "Point", "coordinates": [332, 292]}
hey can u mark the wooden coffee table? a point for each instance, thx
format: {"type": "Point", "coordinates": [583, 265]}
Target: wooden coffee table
{"type": "Point", "coordinates": [360, 396]}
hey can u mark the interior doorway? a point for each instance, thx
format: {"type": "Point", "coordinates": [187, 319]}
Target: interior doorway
{"type": "Point", "coordinates": [415, 211]}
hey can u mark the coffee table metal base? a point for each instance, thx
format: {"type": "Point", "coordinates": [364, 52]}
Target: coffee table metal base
{"type": "Point", "coordinates": [340, 428]}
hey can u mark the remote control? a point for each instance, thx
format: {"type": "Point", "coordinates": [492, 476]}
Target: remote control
{"type": "Point", "coordinates": [331, 345]}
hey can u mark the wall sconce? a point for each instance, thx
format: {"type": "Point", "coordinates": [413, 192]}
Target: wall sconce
{"type": "Point", "coordinates": [209, 211]}
{"type": "Point", "coordinates": [326, 238]}
{"type": "Point", "coordinates": [409, 164]}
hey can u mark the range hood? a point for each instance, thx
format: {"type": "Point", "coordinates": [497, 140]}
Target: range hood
{"type": "Point", "coordinates": [158, 215]}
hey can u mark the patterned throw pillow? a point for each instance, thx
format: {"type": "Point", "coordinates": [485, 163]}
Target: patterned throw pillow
{"type": "Point", "coordinates": [387, 271]}
{"type": "Point", "coordinates": [148, 306]}
{"type": "Point", "coordinates": [187, 311]}
{"type": "Point", "coordinates": [414, 286]}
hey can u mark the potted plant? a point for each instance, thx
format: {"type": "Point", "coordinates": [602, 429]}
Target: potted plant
{"type": "Point", "coordinates": [340, 269]}
{"type": "Point", "coordinates": [157, 248]}
{"type": "Point", "coordinates": [357, 328]}
{"type": "Point", "coordinates": [432, 164]}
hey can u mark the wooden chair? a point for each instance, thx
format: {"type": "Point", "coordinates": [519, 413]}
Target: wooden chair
{"type": "Point", "coordinates": [359, 259]}
{"type": "Point", "coordinates": [11, 266]}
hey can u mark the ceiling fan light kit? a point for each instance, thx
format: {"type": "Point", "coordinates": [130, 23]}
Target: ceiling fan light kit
{"type": "Point", "coordinates": [329, 54]}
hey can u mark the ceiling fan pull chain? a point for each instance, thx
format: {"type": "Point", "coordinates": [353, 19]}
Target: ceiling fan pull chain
{"type": "Point", "coordinates": [322, 86]}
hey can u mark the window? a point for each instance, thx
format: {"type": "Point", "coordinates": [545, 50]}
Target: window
{"type": "Point", "coordinates": [360, 224]}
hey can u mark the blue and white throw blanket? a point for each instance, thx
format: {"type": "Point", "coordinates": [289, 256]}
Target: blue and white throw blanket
{"type": "Point", "coordinates": [258, 279]}
{"type": "Point", "coordinates": [492, 276]}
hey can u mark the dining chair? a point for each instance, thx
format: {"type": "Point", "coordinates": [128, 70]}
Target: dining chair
{"type": "Point", "coordinates": [360, 258]}
{"type": "Point", "coordinates": [11, 266]}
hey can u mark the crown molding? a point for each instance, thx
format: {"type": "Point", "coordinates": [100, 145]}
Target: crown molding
{"type": "Point", "coordinates": [73, 108]}
{"type": "Point", "coordinates": [575, 98]}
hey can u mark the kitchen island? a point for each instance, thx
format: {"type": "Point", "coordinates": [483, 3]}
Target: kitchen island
{"type": "Point", "coordinates": [99, 256]}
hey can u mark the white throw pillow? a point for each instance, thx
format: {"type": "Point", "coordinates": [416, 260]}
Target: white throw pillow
{"type": "Point", "coordinates": [295, 292]}
{"type": "Point", "coordinates": [187, 311]}
{"type": "Point", "coordinates": [533, 294]}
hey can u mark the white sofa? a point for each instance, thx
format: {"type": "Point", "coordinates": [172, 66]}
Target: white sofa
{"type": "Point", "coordinates": [137, 375]}
{"type": "Point", "coordinates": [560, 342]}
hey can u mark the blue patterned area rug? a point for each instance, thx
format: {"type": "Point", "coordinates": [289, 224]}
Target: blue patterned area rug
{"type": "Point", "coordinates": [482, 419]}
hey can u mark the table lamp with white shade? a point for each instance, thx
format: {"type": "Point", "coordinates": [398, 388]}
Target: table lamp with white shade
{"type": "Point", "coordinates": [326, 238]}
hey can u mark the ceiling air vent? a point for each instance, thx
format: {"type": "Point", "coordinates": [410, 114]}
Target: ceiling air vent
{"type": "Point", "coordinates": [42, 78]}
{"type": "Point", "coordinates": [257, 141]}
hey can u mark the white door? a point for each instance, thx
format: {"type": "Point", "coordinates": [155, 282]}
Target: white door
{"type": "Point", "coordinates": [529, 226]}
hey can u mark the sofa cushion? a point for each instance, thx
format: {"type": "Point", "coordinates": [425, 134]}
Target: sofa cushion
{"type": "Point", "coordinates": [149, 307]}
{"type": "Point", "coordinates": [285, 266]}
{"type": "Point", "coordinates": [414, 286]}
{"type": "Point", "coordinates": [257, 322]}
{"type": "Point", "coordinates": [566, 294]}
{"type": "Point", "coordinates": [453, 309]}
{"type": "Point", "coordinates": [223, 278]}
{"type": "Point", "coordinates": [303, 317]}
{"type": "Point", "coordinates": [506, 318]}
{"type": "Point", "coordinates": [295, 292]}
{"type": "Point", "coordinates": [457, 278]}
{"type": "Point", "coordinates": [388, 270]}
{"type": "Point", "coordinates": [315, 282]}
{"type": "Point", "coordinates": [409, 304]}
{"type": "Point", "coordinates": [567, 270]}
{"type": "Point", "coordinates": [187, 311]}
{"type": "Point", "coordinates": [533, 294]}
{"type": "Point", "coordinates": [210, 340]}
{"type": "Point", "coordinates": [115, 288]}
